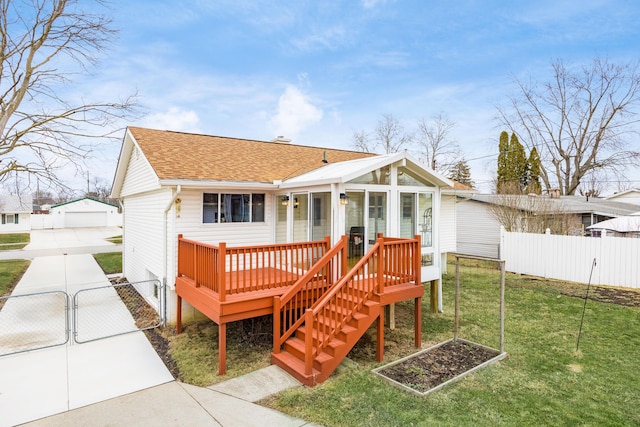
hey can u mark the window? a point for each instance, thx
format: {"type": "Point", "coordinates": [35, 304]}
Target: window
{"type": "Point", "coordinates": [10, 218]}
{"type": "Point", "coordinates": [232, 208]}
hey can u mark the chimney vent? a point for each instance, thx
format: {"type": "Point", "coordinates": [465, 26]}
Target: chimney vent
{"type": "Point", "coordinates": [281, 139]}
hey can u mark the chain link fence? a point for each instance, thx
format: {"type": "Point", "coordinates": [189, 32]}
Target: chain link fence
{"type": "Point", "coordinates": [112, 310]}
{"type": "Point", "coordinates": [41, 320]}
{"type": "Point", "coordinates": [33, 321]}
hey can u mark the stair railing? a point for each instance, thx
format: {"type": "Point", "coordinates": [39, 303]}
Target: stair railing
{"type": "Point", "coordinates": [289, 308]}
{"type": "Point", "coordinates": [328, 316]}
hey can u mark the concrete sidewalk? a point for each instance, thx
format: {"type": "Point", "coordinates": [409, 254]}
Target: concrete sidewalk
{"type": "Point", "coordinates": [44, 382]}
{"type": "Point", "coordinates": [179, 404]}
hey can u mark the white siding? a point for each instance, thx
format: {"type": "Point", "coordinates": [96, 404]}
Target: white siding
{"type": "Point", "coordinates": [143, 235]}
{"type": "Point", "coordinates": [448, 224]}
{"type": "Point", "coordinates": [139, 177]}
{"type": "Point", "coordinates": [478, 232]}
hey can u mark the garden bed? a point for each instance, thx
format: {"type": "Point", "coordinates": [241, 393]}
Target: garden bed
{"type": "Point", "coordinates": [431, 369]}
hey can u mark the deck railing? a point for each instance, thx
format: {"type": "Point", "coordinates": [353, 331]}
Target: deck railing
{"type": "Point", "coordinates": [233, 270]}
{"type": "Point", "coordinates": [397, 259]}
{"type": "Point", "coordinates": [292, 305]}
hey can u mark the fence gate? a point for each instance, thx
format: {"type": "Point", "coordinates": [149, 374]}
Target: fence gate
{"type": "Point", "coordinates": [33, 321]}
{"type": "Point", "coordinates": [107, 311]}
{"type": "Point", "coordinates": [48, 319]}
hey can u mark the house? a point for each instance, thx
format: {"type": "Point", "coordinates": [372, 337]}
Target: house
{"type": "Point", "coordinates": [478, 229]}
{"type": "Point", "coordinates": [16, 214]}
{"type": "Point", "coordinates": [622, 226]}
{"type": "Point", "coordinates": [189, 197]}
{"type": "Point", "coordinates": [84, 212]}
{"type": "Point", "coordinates": [629, 196]}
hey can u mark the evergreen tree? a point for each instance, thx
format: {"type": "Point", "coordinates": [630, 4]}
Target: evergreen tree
{"type": "Point", "coordinates": [461, 173]}
{"type": "Point", "coordinates": [518, 164]}
{"type": "Point", "coordinates": [503, 163]}
{"type": "Point", "coordinates": [534, 186]}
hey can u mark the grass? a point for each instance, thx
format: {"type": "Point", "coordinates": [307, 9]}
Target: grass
{"type": "Point", "coordinates": [110, 262]}
{"type": "Point", "coordinates": [10, 273]}
{"type": "Point", "coordinates": [115, 239]}
{"type": "Point", "coordinates": [543, 381]}
{"type": "Point", "coordinates": [14, 241]}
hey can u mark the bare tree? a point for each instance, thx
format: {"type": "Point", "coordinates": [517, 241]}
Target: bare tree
{"type": "Point", "coordinates": [579, 121]}
{"type": "Point", "coordinates": [362, 142]}
{"type": "Point", "coordinates": [40, 130]}
{"type": "Point", "coordinates": [390, 135]}
{"type": "Point", "coordinates": [534, 214]}
{"type": "Point", "coordinates": [438, 149]}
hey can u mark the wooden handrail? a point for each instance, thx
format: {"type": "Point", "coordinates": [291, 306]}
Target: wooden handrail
{"type": "Point", "coordinates": [254, 267]}
{"type": "Point", "coordinates": [305, 291]}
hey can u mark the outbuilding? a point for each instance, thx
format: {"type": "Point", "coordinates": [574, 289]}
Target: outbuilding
{"type": "Point", "coordinates": [85, 212]}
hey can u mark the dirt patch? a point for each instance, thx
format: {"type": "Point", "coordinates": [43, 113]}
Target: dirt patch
{"type": "Point", "coordinates": [435, 366]}
{"type": "Point", "coordinates": [147, 318]}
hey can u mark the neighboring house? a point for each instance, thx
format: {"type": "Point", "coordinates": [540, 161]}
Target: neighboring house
{"type": "Point", "coordinates": [15, 212]}
{"type": "Point", "coordinates": [623, 226]}
{"type": "Point", "coordinates": [478, 230]}
{"type": "Point", "coordinates": [245, 192]}
{"type": "Point", "coordinates": [84, 212]}
{"type": "Point", "coordinates": [630, 196]}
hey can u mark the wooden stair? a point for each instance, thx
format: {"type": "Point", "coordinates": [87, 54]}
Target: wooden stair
{"type": "Point", "coordinates": [292, 357]}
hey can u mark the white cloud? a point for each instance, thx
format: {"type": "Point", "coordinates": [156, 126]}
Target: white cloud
{"type": "Point", "coordinates": [295, 113]}
{"type": "Point", "coordinates": [174, 119]}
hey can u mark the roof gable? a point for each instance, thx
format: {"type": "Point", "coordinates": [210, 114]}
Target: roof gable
{"type": "Point", "coordinates": [349, 170]}
{"type": "Point", "coordinates": [88, 199]}
{"type": "Point", "coordinates": [186, 156]}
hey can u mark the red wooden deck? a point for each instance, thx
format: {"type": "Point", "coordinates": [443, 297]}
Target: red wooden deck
{"type": "Point", "coordinates": [229, 284]}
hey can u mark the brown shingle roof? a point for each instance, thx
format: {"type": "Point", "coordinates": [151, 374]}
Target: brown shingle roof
{"type": "Point", "coordinates": [178, 155]}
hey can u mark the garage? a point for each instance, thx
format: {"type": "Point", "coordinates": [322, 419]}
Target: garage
{"type": "Point", "coordinates": [85, 212]}
{"type": "Point", "coordinates": [85, 219]}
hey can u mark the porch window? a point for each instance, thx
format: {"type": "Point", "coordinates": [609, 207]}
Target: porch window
{"type": "Point", "coordinates": [380, 176]}
{"type": "Point", "coordinates": [222, 207]}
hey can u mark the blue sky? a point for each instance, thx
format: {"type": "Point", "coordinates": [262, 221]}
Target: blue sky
{"type": "Point", "coordinates": [317, 71]}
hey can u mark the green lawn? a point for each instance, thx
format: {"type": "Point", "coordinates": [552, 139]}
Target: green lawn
{"type": "Point", "coordinates": [14, 241]}
{"type": "Point", "coordinates": [110, 262]}
{"type": "Point", "coordinates": [543, 381]}
{"type": "Point", "coordinates": [10, 273]}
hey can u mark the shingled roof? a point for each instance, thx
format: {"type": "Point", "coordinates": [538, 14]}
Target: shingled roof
{"type": "Point", "coordinates": [179, 155]}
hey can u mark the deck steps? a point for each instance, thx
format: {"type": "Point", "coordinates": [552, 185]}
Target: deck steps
{"type": "Point", "coordinates": [292, 357]}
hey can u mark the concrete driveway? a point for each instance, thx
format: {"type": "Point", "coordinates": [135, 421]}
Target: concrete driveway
{"type": "Point", "coordinates": [61, 238]}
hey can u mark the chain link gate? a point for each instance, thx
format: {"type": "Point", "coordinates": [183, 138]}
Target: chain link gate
{"type": "Point", "coordinates": [117, 309]}
{"type": "Point", "coordinates": [42, 320]}
{"type": "Point", "coordinates": [33, 321]}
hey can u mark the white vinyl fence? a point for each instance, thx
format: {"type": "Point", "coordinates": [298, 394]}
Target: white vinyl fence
{"type": "Point", "coordinates": [571, 257]}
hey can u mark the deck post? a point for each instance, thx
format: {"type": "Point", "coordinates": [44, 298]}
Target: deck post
{"type": "Point", "coordinates": [222, 266]}
{"type": "Point", "coordinates": [308, 342]}
{"type": "Point", "coordinates": [222, 348]}
{"type": "Point", "coordinates": [433, 299]}
{"type": "Point", "coordinates": [417, 327]}
{"type": "Point", "coordinates": [179, 315]}
{"type": "Point", "coordinates": [276, 324]}
{"type": "Point", "coordinates": [380, 337]}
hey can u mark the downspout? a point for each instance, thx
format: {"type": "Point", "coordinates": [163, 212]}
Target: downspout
{"type": "Point", "coordinates": [165, 240]}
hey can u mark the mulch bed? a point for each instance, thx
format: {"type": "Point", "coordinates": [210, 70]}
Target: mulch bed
{"type": "Point", "coordinates": [432, 367]}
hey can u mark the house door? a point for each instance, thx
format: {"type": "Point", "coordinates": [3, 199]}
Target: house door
{"type": "Point", "coordinates": [320, 215]}
{"type": "Point", "coordinates": [354, 224]}
{"type": "Point", "coordinates": [311, 216]}
{"type": "Point", "coordinates": [377, 216]}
